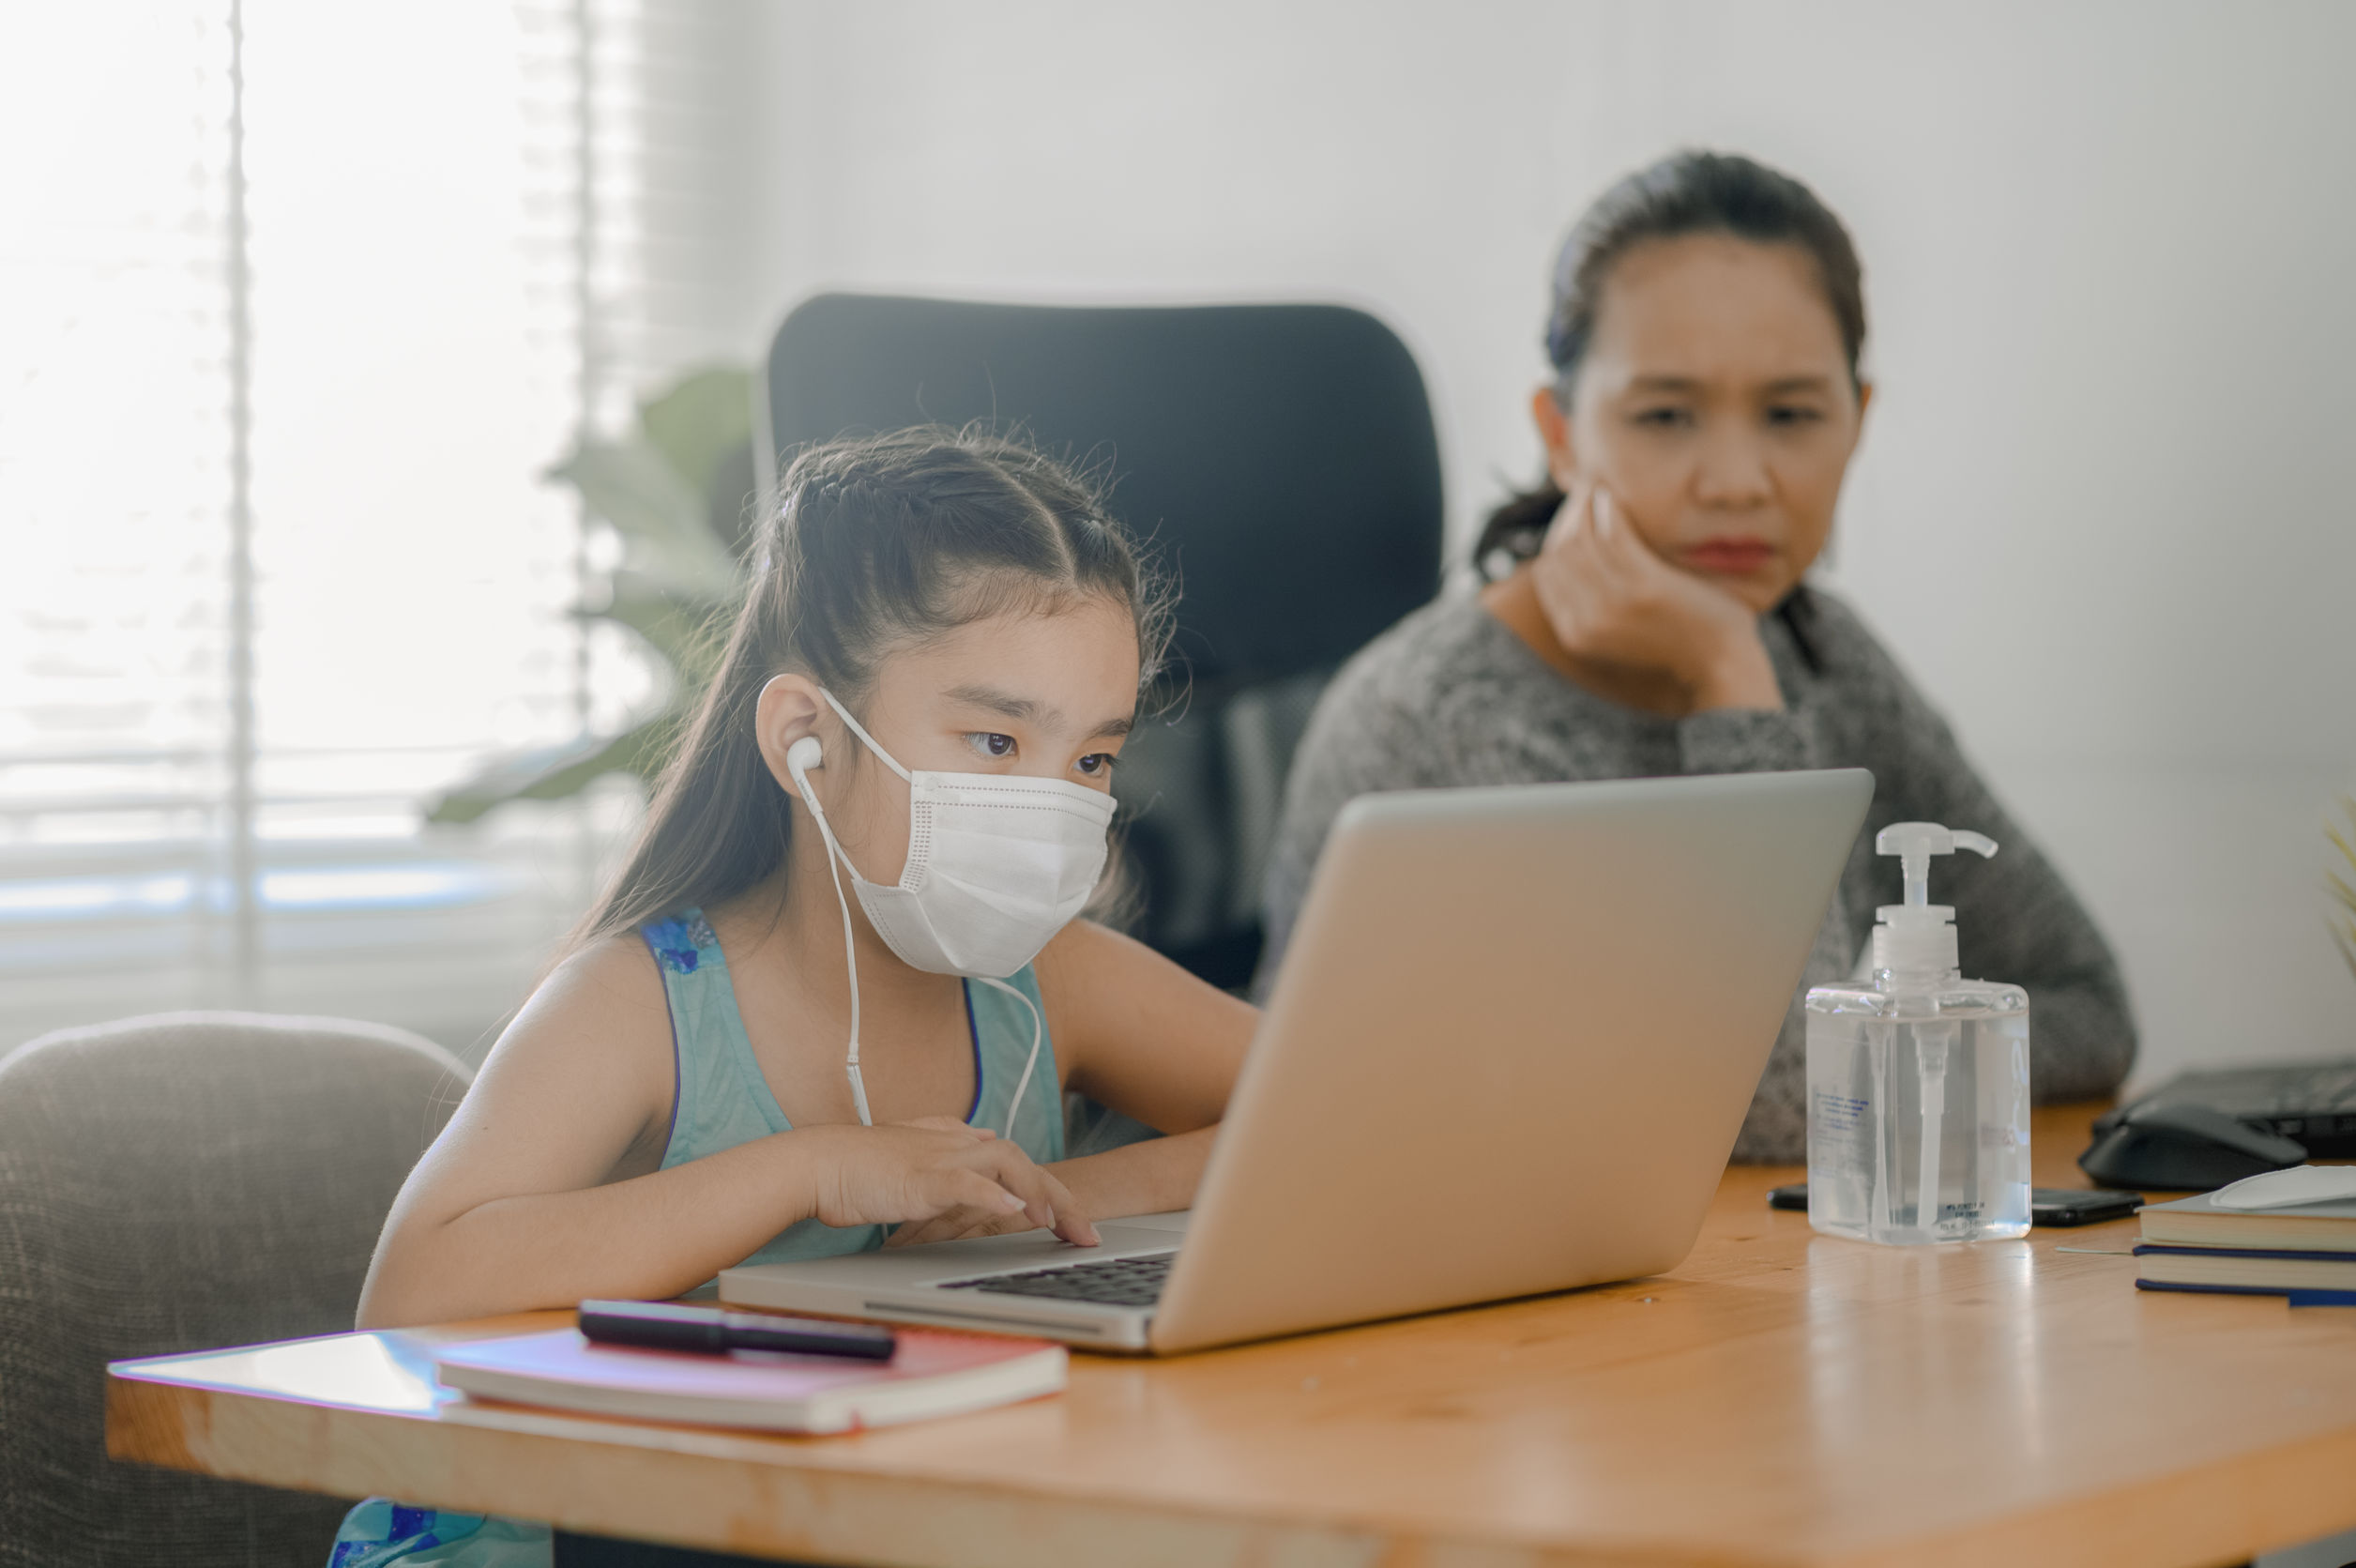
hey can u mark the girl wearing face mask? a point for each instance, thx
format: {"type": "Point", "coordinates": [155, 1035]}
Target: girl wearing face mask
{"type": "Point", "coordinates": [835, 995]}
{"type": "Point", "coordinates": [1645, 612]}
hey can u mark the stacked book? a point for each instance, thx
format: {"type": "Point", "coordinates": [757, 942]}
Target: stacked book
{"type": "Point", "coordinates": [2306, 1252]}
{"type": "Point", "coordinates": [929, 1374]}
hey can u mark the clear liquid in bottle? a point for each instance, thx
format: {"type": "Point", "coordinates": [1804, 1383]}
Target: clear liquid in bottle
{"type": "Point", "coordinates": [1888, 1065]}
{"type": "Point", "coordinates": [1918, 1084]}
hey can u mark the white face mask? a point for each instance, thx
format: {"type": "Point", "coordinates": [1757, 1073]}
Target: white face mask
{"type": "Point", "coordinates": [996, 865]}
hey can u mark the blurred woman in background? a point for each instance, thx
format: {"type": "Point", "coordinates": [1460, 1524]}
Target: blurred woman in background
{"type": "Point", "coordinates": [1645, 611]}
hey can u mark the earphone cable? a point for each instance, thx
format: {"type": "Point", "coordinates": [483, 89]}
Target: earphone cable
{"type": "Point", "coordinates": [1039, 1033]}
{"type": "Point", "coordinates": [850, 950]}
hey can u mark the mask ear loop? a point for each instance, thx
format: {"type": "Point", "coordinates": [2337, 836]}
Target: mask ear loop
{"type": "Point", "coordinates": [860, 730]}
{"type": "Point", "coordinates": [810, 798]}
{"type": "Point", "coordinates": [850, 1066]}
{"type": "Point", "coordinates": [800, 771]}
{"type": "Point", "coordinates": [1039, 1033]}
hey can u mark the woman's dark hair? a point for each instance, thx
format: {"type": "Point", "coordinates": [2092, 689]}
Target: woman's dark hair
{"type": "Point", "coordinates": [1685, 194]}
{"type": "Point", "coordinates": [869, 546]}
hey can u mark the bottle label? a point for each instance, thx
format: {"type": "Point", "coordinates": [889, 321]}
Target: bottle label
{"type": "Point", "coordinates": [1832, 1122]}
{"type": "Point", "coordinates": [1839, 1113]}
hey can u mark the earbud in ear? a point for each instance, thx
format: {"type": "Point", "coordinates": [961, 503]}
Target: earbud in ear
{"type": "Point", "coordinates": [801, 756]}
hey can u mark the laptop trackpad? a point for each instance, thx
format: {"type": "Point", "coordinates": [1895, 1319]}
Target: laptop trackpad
{"type": "Point", "coordinates": [1173, 1222]}
{"type": "Point", "coordinates": [1032, 1249]}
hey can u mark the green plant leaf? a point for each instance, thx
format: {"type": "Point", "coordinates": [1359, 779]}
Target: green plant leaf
{"type": "Point", "coordinates": [687, 631]}
{"type": "Point", "coordinates": [2341, 891]}
{"type": "Point", "coordinates": [2331, 830]}
{"type": "Point", "coordinates": [2343, 928]}
{"type": "Point", "coordinates": [661, 488]}
{"type": "Point", "coordinates": [698, 421]}
{"type": "Point", "coordinates": [553, 772]}
{"type": "Point", "coordinates": [663, 522]}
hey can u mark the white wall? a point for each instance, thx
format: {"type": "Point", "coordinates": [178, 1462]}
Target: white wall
{"type": "Point", "coordinates": [2101, 510]}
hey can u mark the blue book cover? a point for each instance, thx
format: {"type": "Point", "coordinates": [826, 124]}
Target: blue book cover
{"type": "Point", "coordinates": [2245, 1270]}
{"type": "Point", "coordinates": [2170, 1250]}
{"type": "Point", "coordinates": [2296, 1298]}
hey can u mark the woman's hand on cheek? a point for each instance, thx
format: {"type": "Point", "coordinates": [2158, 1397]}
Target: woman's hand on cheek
{"type": "Point", "coordinates": [1608, 598]}
{"type": "Point", "coordinates": [936, 1178]}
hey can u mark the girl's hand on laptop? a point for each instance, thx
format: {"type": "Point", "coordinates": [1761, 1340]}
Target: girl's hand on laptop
{"type": "Point", "coordinates": [1610, 598]}
{"type": "Point", "coordinates": [937, 1177]}
{"type": "Point", "coordinates": [955, 1224]}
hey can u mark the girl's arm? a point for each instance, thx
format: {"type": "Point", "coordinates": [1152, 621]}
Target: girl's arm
{"type": "Point", "coordinates": [533, 1196]}
{"type": "Point", "coordinates": [1152, 1042]}
{"type": "Point", "coordinates": [1135, 1032]}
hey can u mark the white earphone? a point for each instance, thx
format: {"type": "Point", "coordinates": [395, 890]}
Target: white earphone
{"type": "Point", "coordinates": [800, 757]}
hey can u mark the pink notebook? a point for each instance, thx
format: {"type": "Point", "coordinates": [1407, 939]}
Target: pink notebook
{"type": "Point", "coordinates": [932, 1373]}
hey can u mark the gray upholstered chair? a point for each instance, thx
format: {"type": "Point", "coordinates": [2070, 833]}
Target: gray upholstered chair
{"type": "Point", "coordinates": [174, 1184]}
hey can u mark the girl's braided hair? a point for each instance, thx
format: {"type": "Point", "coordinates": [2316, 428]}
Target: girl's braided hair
{"type": "Point", "coordinates": [869, 545]}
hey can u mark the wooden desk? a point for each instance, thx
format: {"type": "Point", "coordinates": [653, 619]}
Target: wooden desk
{"type": "Point", "coordinates": [1779, 1399]}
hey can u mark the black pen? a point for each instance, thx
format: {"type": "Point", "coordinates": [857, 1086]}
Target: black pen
{"type": "Point", "coordinates": [665, 1326]}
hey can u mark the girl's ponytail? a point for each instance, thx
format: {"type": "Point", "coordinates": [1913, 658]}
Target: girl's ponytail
{"type": "Point", "coordinates": [868, 546]}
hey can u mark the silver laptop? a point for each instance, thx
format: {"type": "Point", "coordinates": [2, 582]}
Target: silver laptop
{"type": "Point", "coordinates": [1512, 1044]}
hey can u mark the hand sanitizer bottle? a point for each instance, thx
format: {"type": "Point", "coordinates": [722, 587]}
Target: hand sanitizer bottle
{"type": "Point", "coordinates": [1918, 1085]}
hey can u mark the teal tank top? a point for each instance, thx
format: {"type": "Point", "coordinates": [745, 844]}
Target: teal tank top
{"type": "Point", "coordinates": [722, 1100]}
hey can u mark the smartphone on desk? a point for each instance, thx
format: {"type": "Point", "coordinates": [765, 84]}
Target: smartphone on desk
{"type": "Point", "coordinates": [2048, 1205]}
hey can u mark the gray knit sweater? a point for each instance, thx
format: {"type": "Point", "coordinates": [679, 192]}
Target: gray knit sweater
{"type": "Point", "coordinates": [1449, 696]}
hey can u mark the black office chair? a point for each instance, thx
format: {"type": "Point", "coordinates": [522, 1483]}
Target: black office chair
{"type": "Point", "coordinates": [1280, 461]}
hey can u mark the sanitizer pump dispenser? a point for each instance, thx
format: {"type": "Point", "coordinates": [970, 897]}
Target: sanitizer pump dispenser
{"type": "Point", "coordinates": [1918, 1084]}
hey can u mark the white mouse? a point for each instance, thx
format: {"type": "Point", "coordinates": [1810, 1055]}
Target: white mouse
{"type": "Point", "coordinates": [2281, 1189]}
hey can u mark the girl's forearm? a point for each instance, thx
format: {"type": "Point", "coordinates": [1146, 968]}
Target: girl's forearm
{"type": "Point", "coordinates": [647, 1238]}
{"type": "Point", "coordinates": [1148, 1177]}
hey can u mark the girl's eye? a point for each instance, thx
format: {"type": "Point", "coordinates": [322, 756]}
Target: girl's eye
{"type": "Point", "coordinates": [1665, 418]}
{"type": "Point", "coordinates": [1096, 764]}
{"type": "Point", "coordinates": [1793, 414]}
{"type": "Point", "coordinates": [997, 747]}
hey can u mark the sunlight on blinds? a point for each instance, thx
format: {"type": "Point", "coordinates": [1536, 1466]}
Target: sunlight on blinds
{"type": "Point", "coordinates": [415, 354]}
{"type": "Point", "coordinates": [448, 276]}
{"type": "Point", "coordinates": [114, 473]}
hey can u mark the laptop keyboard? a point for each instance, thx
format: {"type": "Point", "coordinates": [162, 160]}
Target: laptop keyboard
{"type": "Point", "coordinates": [1129, 1282]}
{"type": "Point", "coordinates": [2314, 1104]}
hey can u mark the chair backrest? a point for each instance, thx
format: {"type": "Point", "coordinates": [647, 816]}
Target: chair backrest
{"type": "Point", "coordinates": [174, 1184]}
{"type": "Point", "coordinates": [1281, 460]}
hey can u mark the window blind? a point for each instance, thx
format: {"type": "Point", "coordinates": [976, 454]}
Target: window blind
{"type": "Point", "coordinates": [387, 264]}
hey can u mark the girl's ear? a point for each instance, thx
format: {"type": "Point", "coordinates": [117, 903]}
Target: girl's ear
{"type": "Point", "coordinates": [1554, 430]}
{"type": "Point", "coordinates": [789, 710]}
